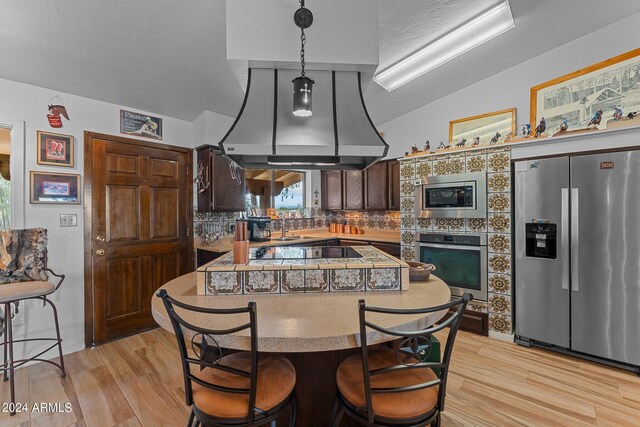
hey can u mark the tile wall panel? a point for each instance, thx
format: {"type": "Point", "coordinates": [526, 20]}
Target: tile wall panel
{"type": "Point", "coordinates": [496, 162]}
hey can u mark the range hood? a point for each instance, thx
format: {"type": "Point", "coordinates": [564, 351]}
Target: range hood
{"type": "Point", "coordinates": [339, 134]}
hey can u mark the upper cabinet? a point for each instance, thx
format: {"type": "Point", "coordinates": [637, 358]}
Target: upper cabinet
{"type": "Point", "coordinates": [220, 183]}
{"type": "Point", "coordinates": [376, 188]}
{"type": "Point", "coordinates": [376, 194]}
{"type": "Point", "coordinates": [331, 187]}
{"type": "Point", "coordinates": [353, 190]}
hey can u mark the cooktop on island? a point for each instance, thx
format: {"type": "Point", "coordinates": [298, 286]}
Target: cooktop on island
{"type": "Point", "coordinates": [311, 252]}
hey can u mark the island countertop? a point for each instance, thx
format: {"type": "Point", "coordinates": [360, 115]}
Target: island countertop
{"type": "Point", "coordinates": [306, 322]}
{"type": "Point", "coordinates": [306, 237]}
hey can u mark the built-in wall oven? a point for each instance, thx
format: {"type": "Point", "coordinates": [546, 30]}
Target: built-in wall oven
{"type": "Point", "coordinates": [460, 260]}
{"type": "Point", "coordinates": [452, 196]}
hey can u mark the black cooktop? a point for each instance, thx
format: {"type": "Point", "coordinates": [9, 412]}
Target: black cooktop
{"type": "Point", "coordinates": [311, 252]}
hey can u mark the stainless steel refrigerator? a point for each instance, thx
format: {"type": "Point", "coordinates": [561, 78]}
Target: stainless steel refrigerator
{"type": "Point", "coordinates": [577, 260]}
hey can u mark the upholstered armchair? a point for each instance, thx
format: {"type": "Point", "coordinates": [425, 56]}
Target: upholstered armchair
{"type": "Point", "coordinates": [24, 275]}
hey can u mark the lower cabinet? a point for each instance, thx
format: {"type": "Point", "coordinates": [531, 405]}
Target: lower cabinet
{"type": "Point", "coordinates": [392, 249]}
{"type": "Point", "coordinates": [203, 257]}
{"type": "Point", "coordinates": [472, 321]}
{"type": "Point", "coordinates": [344, 242]}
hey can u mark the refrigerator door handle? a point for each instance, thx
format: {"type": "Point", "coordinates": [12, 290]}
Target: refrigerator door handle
{"type": "Point", "coordinates": [564, 237]}
{"type": "Point", "coordinates": [575, 241]}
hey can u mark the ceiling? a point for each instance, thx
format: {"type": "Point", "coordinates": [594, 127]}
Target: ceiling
{"type": "Point", "coordinates": [163, 57]}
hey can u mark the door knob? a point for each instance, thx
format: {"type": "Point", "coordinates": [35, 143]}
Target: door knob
{"type": "Point", "coordinates": [100, 238]}
{"type": "Point", "coordinates": [100, 252]}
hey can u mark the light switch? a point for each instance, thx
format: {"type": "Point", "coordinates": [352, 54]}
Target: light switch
{"type": "Point", "coordinates": [68, 220]}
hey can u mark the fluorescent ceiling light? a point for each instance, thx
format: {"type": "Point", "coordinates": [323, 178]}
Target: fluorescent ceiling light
{"type": "Point", "coordinates": [479, 30]}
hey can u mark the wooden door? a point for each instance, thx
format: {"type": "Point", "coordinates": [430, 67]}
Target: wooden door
{"type": "Point", "coordinates": [353, 190]}
{"type": "Point", "coordinates": [376, 193]}
{"type": "Point", "coordinates": [138, 216]}
{"type": "Point", "coordinates": [331, 186]}
{"type": "Point", "coordinates": [393, 174]}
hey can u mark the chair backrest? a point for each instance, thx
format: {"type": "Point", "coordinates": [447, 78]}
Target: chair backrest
{"type": "Point", "coordinates": [412, 350]}
{"type": "Point", "coordinates": [23, 255]}
{"type": "Point", "coordinates": [206, 353]}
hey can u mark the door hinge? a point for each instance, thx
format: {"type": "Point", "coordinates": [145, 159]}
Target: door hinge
{"type": "Point", "coordinates": [188, 231]}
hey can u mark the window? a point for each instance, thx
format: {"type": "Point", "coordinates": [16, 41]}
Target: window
{"type": "Point", "coordinates": [274, 189]}
{"type": "Point", "coordinates": [5, 179]}
{"type": "Point", "coordinates": [289, 190]}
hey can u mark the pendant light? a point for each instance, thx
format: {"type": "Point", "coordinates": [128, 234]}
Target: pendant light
{"type": "Point", "coordinates": [303, 85]}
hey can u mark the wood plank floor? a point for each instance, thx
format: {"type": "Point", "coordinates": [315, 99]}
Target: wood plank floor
{"type": "Point", "coordinates": [137, 381]}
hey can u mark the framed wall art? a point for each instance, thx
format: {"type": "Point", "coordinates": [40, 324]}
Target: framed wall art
{"type": "Point", "coordinates": [55, 149]}
{"type": "Point", "coordinates": [483, 129]}
{"type": "Point", "coordinates": [140, 125]}
{"type": "Point", "coordinates": [54, 188]}
{"type": "Point", "coordinates": [603, 95]}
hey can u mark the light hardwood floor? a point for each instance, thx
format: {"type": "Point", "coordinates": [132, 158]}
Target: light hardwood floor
{"type": "Point", "coordinates": [137, 381]}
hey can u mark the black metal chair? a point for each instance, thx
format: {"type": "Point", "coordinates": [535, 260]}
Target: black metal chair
{"type": "Point", "coordinates": [22, 284]}
{"type": "Point", "coordinates": [225, 388]}
{"type": "Point", "coordinates": [397, 387]}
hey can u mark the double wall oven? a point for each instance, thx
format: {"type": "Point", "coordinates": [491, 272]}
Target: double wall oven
{"type": "Point", "coordinates": [460, 260]}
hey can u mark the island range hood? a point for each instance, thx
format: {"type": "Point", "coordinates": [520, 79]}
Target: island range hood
{"type": "Point", "coordinates": [339, 134]}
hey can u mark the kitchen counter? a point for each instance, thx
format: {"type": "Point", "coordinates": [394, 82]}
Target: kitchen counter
{"type": "Point", "coordinates": [306, 322]}
{"type": "Point", "coordinates": [307, 237]}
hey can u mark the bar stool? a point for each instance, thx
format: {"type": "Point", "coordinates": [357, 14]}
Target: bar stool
{"type": "Point", "coordinates": [229, 389]}
{"type": "Point", "coordinates": [16, 287]}
{"type": "Point", "coordinates": [396, 387]}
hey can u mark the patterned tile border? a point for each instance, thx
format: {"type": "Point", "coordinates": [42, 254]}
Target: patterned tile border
{"type": "Point", "coordinates": [374, 271]}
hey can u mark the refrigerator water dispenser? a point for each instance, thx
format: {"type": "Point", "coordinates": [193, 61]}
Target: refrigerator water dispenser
{"type": "Point", "coordinates": [541, 240]}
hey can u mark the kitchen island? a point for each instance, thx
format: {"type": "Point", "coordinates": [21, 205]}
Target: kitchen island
{"type": "Point", "coordinates": [304, 269]}
{"type": "Point", "coordinates": [316, 330]}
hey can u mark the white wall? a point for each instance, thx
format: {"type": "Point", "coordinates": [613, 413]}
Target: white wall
{"type": "Point", "coordinates": [28, 104]}
{"type": "Point", "coordinates": [210, 128]}
{"type": "Point", "coordinates": [509, 88]}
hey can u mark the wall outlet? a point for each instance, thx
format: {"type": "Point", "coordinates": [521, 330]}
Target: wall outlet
{"type": "Point", "coordinates": [68, 220]}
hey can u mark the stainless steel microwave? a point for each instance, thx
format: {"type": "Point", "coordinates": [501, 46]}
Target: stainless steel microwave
{"type": "Point", "coordinates": [452, 196]}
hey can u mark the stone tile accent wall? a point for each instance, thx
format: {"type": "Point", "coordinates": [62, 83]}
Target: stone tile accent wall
{"type": "Point", "coordinates": [313, 218]}
{"type": "Point", "coordinates": [497, 163]}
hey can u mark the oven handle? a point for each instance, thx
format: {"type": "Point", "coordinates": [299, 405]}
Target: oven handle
{"type": "Point", "coordinates": [445, 246]}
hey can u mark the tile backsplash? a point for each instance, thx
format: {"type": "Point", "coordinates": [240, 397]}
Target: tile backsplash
{"type": "Point", "coordinates": [312, 218]}
{"type": "Point", "coordinates": [497, 226]}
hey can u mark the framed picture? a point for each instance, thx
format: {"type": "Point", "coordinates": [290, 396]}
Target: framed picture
{"type": "Point", "coordinates": [55, 149]}
{"type": "Point", "coordinates": [140, 125]}
{"type": "Point", "coordinates": [54, 188]}
{"type": "Point", "coordinates": [611, 87]}
{"type": "Point", "coordinates": [483, 129]}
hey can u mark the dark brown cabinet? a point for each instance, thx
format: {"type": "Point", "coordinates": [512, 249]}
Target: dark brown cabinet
{"type": "Point", "coordinates": [344, 242]}
{"type": "Point", "coordinates": [353, 190]}
{"type": "Point", "coordinates": [377, 188]}
{"type": "Point", "coordinates": [393, 184]}
{"type": "Point", "coordinates": [220, 183]}
{"type": "Point", "coordinates": [331, 186]}
{"type": "Point", "coordinates": [392, 249]}
{"type": "Point", "coordinates": [376, 194]}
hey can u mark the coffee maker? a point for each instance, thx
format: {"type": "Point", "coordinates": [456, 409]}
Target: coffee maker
{"type": "Point", "coordinates": [259, 228]}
